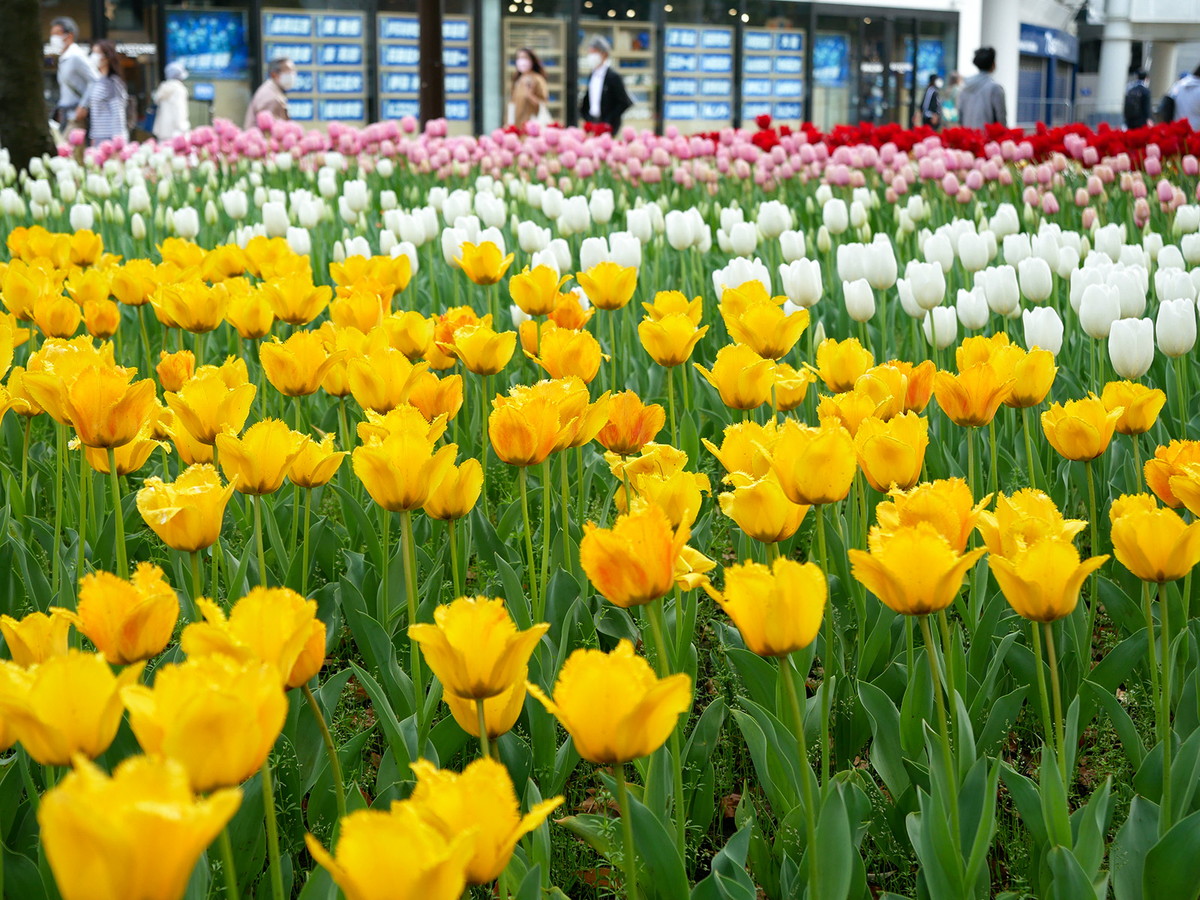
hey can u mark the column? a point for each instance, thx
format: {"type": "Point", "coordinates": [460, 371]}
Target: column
{"type": "Point", "coordinates": [1001, 28]}
{"type": "Point", "coordinates": [1116, 52]}
{"type": "Point", "coordinates": [493, 98]}
{"type": "Point", "coordinates": [1164, 68]}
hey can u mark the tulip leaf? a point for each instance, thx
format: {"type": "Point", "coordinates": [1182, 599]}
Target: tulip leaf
{"type": "Point", "coordinates": [1170, 869]}
{"type": "Point", "coordinates": [1002, 714]}
{"type": "Point", "coordinates": [22, 878]}
{"type": "Point", "coordinates": [885, 737]}
{"type": "Point", "coordinates": [759, 676]}
{"type": "Point", "coordinates": [727, 879]}
{"type": "Point", "coordinates": [1130, 848]}
{"type": "Point", "coordinates": [773, 751]}
{"type": "Point", "coordinates": [1131, 741]}
{"type": "Point", "coordinates": [319, 886]}
{"type": "Point", "coordinates": [363, 532]}
{"type": "Point", "coordinates": [834, 848]}
{"type": "Point", "coordinates": [1068, 879]}
{"type": "Point", "coordinates": [386, 717]}
{"type": "Point", "coordinates": [657, 854]}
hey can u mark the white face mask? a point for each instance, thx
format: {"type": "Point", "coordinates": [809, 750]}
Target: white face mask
{"type": "Point", "coordinates": [95, 59]}
{"type": "Point", "coordinates": [594, 60]}
{"type": "Point", "coordinates": [523, 64]}
{"type": "Point", "coordinates": [287, 80]}
{"type": "Point", "coordinates": [57, 44]}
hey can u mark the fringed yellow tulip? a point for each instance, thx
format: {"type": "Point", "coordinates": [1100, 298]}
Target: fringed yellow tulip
{"type": "Point", "coordinates": [1152, 543]}
{"type": "Point", "coordinates": [259, 460]}
{"type": "Point", "coordinates": [892, 453]}
{"type": "Point", "coordinates": [36, 637]}
{"type": "Point", "coordinates": [746, 448]}
{"type": "Point", "coordinates": [1168, 462]}
{"type": "Point", "coordinates": [186, 514]}
{"type": "Point", "coordinates": [631, 424]}
{"type": "Point", "coordinates": [1042, 581]}
{"type": "Point", "coordinates": [633, 562]}
{"type": "Point", "coordinates": [1023, 519]}
{"type": "Point", "coordinates": [913, 570]}
{"type": "Point", "coordinates": [175, 369]}
{"type": "Point", "coordinates": [208, 405]}
{"type": "Point", "coordinates": [296, 367]}
{"type": "Point", "coordinates": [777, 609]}
{"type": "Point", "coordinates": [500, 713]}
{"type": "Point", "coordinates": [523, 429]}
{"type": "Point", "coordinates": [761, 508]}
{"type": "Point", "coordinates": [128, 621]}
{"type": "Point", "coordinates": [946, 504]}
{"type": "Point", "coordinates": [970, 398]}
{"type": "Point", "coordinates": [1080, 429]}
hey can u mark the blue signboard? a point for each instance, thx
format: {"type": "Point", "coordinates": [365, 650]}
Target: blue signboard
{"type": "Point", "coordinates": [772, 66]}
{"type": "Point", "coordinates": [831, 60]}
{"type": "Point", "coordinates": [1048, 42]}
{"type": "Point", "coordinates": [399, 65]}
{"type": "Point", "coordinates": [209, 43]}
{"type": "Point", "coordinates": [698, 50]}
{"type": "Point", "coordinates": [329, 51]}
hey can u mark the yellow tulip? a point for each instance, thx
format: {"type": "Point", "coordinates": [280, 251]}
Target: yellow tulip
{"type": "Point", "coordinates": [474, 648]}
{"type": "Point", "coordinates": [670, 339]}
{"type": "Point", "coordinates": [500, 713]}
{"type": "Point", "coordinates": [919, 379]}
{"type": "Point", "coordinates": [741, 377]}
{"type": "Point", "coordinates": [101, 318]}
{"type": "Point", "coordinates": [217, 716]}
{"type": "Point", "coordinates": [404, 419]}
{"type": "Point", "coordinates": [482, 350]}
{"type": "Point", "coordinates": [761, 508]}
{"type": "Point", "coordinates": [136, 834]}
{"type": "Point", "coordinates": [613, 706]}
{"type": "Point", "coordinates": [258, 461]}
{"type": "Point", "coordinates": [535, 292]}
{"type": "Point", "coordinates": [456, 492]}
{"type": "Point", "coordinates": [296, 367]}
{"type": "Point", "coordinates": [849, 409]}
{"type": "Point", "coordinates": [295, 299]}
{"type": "Point", "coordinates": [580, 419]}
{"type": "Point", "coordinates": [86, 247]}
{"type": "Point", "coordinates": [401, 471]}
{"type": "Point", "coordinates": [913, 570]}
{"type": "Point", "coordinates": [692, 568]}
{"type": "Point", "coordinates": [523, 429]}
{"type": "Point", "coordinates": [56, 316]}
{"type": "Point", "coordinates": [175, 369]}
{"type": "Point", "coordinates": [1080, 429]}
{"type": "Point", "coordinates": [631, 424]}
{"type": "Point", "coordinates": [669, 303]}
{"type": "Point", "coordinates": [758, 320]}
{"type": "Point", "coordinates": [481, 801]}
{"type": "Point", "coordinates": [1152, 543]}
{"type": "Point", "coordinates": [970, 398]}
{"type": "Point", "coordinates": [105, 407]}
{"type": "Point", "coordinates": [317, 462]}
{"type": "Point", "coordinates": [633, 562]}
{"type": "Point", "coordinates": [409, 332]}
{"type": "Point", "coordinates": [1139, 405]}
{"type": "Point", "coordinates": [192, 305]}
{"type": "Point", "coordinates": [390, 273]}
{"type": "Point", "coordinates": [186, 514]}
{"type": "Point", "coordinates": [1186, 487]}
{"type": "Point", "coordinates": [777, 609]}
{"type": "Point", "coordinates": [563, 353]}
{"type": "Point", "coordinates": [250, 314]}
{"type": "Point", "coordinates": [1042, 581]}
{"type": "Point", "coordinates": [1033, 375]}
{"type": "Point", "coordinates": [207, 405]}
{"type": "Point", "coordinates": [814, 465]}
{"type": "Point", "coordinates": [892, 453]}
{"type": "Point", "coordinates": [36, 637]}
{"type": "Point", "coordinates": [678, 494]}
{"type": "Point", "coordinates": [841, 363]}
{"type": "Point", "coordinates": [608, 285]}
{"type": "Point", "coordinates": [396, 855]}
{"type": "Point", "coordinates": [381, 378]}
{"type": "Point", "coordinates": [437, 397]}
{"type": "Point", "coordinates": [128, 620]}
{"type": "Point", "coordinates": [746, 448]}
{"type": "Point", "coordinates": [1023, 519]}
{"type": "Point", "coordinates": [1168, 462]}
{"type": "Point", "coordinates": [68, 704]}
{"type": "Point", "coordinates": [483, 263]}
{"type": "Point", "coordinates": [887, 386]}
{"type": "Point", "coordinates": [981, 350]}
{"type": "Point", "coordinates": [791, 387]}
{"type": "Point", "coordinates": [134, 283]}
{"type": "Point", "coordinates": [946, 504]}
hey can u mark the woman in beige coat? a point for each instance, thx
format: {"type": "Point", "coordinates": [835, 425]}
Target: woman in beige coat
{"type": "Point", "coordinates": [529, 91]}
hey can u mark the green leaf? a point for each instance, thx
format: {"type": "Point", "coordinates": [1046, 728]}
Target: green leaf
{"type": "Point", "coordinates": [657, 854]}
{"type": "Point", "coordinates": [1128, 855]}
{"type": "Point", "coordinates": [886, 758]}
{"type": "Point", "coordinates": [834, 850]}
{"type": "Point", "coordinates": [1068, 879]}
{"type": "Point", "coordinates": [1171, 870]}
{"type": "Point", "coordinates": [727, 879]}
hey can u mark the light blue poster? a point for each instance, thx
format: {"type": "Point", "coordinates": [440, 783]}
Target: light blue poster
{"type": "Point", "coordinates": [831, 60]}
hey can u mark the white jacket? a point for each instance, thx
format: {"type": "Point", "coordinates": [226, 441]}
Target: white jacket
{"type": "Point", "coordinates": [171, 119]}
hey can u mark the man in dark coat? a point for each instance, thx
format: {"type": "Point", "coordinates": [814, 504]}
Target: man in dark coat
{"type": "Point", "coordinates": [605, 99]}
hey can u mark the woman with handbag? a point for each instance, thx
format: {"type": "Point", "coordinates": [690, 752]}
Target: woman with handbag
{"type": "Point", "coordinates": [529, 90]}
{"type": "Point", "coordinates": [106, 101]}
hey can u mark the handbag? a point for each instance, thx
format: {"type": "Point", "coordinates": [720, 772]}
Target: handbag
{"type": "Point", "coordinates": [543, 116]}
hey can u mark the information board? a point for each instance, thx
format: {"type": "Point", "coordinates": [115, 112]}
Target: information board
{"type": "Point", "coordinates": [329, 50]}
{"type": "Point", "coordinates": [698, 80]}
{"type": "Point", "coordinates": [772, 74]}
{"type": "Point", "coordinates": [211, 43]}
{"type": "Point", "coordinates": [399, 66]}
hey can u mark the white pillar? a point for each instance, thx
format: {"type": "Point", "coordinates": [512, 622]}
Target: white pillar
{"type": "Point", "coordinates": [1001, 28]}
{"type": "Point", "coordinates": [969, 35]}
{"type": "Point", "coordinates": [493, 98]}
{"type": "Point", "coordinates": [1164, 68]}
{"type": "Point", "coordinates": [1116, 53]}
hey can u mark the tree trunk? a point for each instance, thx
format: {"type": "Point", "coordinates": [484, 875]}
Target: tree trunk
{"type": "Point", "coordinates": [24, 120]}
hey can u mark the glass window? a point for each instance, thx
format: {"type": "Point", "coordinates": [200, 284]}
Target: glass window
{"type": "Point", "coordinates": [831, 68]}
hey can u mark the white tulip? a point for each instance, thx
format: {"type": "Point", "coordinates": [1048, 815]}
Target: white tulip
{"type": "Point", "coordinates": [1043, 328]}
{"type": "Point", "coordinates": [1130, 288]}
{"type": "Point", "coordinates": [235, 203]}
{"type": "Point", "coordinates": [405, 248]}
{"type": "Point", "coordinates": [972, 251]}
{"type": "Point", "coordinates": [860, 299]}
{"type": "Point", "coordinates": [137, 227]}
{"type": "Point", "coordinates": [879, 263]}
{"type": "Point", "coordinates": [1016, 248]}
{"type": "Point", "coordinates": [791, 245]}
{"type": "Point", "coordinates": [387, 242]}
{"type": "Point", "coordinates": [739, 271]}
{"type": "Point", "coordinates": [1108, 239]}
{"type": "Point", "coordinates": [546, 258]}
{"type": "Point", "coordinates": [601, 205]}
{"type": "Point", "coordinates": [972, 309]}
{"type": "Point", "coordinates": [491, 210]}
{"type": "Point", "coordinates": [1189, 245]}
{"type": "Point", "coordinates": [437, 196]}
{"type": "Point", "coordinates": [40, 191]}
{"type": "Point", "coordinates": [938, 250]}
{"type": "Point", "coordinates": [1171, 258]}
{"type": "Point", "coordinates": [519, 316]}
{"type": "Point", "coordinates": [1045, 245]}
{"type": "Point", "coordinates": [928, 283]}
{"type": "Point", "coordinates": [680, 234]}
{"type": "Point", "coordinates": [1035, 278]}
{"type": "Point", "coordinates": [802, 283]}
{"type": "Point", "coordinates": [562, 254]}
{"type": "Point", "coordinates": [1131, 347]}
{"type": "Point", "coordinates": [346, 212]}
{"type": "Point", "coordinates": [774, 219]}
{"type": "Point", "coordinates": [327, 187]}
{"type": "Point", "coordinates": [1068, 262]}
{"type": "Point", "coordinates": [1187, 219]}
{"type": "Point", "coordinates": [730, 216]}
{"type": "Point", "coordinates": [858, 214]}
{"type": "Point", "coordinates": [358, 246]}
{"type": "Point", "coordinates": [552, 202]}
{"type": "Point", "coordinates": [1133, 255]}
{"type": "Point", "coordinates": [1173, 284]}
{"type": "Point", "coordinates": [299, 240]}
{"type": "Point", "coordinates": [531, 237]}
{"type": "Point", "coordinates": [356, 194]}
{"type": "Point", "coordinates": [851, 262]}
{"type": "Point", "coordinates": [624, 249]}
{"type": "Point", "coordinates": [824, 241]}
{"type": "Point", "coordinates": [452, 241]}
{"type": "Point", "coordinates": [743, 239]}
{"type": "Point", "coordinates": [907, 301]}
{"type": "Point", "coordinates": [1005, 223]}
{"type": "Point", "coordinates": [82, 217]}
{"type": "Point", "coordinates": [835, 216]}
{"type": "Point", "coordinates": [493, 236]}
{"type": "Point", "coordinates": [592, 252]}
{"type": "Point", "coordinates": [941, 326]}
{"type": "Point", "coordinates": [186, 223]}
{"type": "Point", "coordinates": [1175, 327]}
{"type": "Point", "coordinates": [639, 223]}
{"type": "Point", "coordinates": [1152, 244]}
{"type": "Point", "coordinates": [1099, 308]}
{"type": "Point", "coordinates": [275, 219]}
{"type": "Point", "coordinates": [384, 166]}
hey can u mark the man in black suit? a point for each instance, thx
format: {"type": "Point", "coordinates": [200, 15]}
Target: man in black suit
{"type": "Point", "coordinates": [605, 99]}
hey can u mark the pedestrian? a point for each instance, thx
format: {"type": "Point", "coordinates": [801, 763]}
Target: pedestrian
{"type": "Point", "coordinates": [931, 104]}
{"type": "Point", "coordinates": [271, 96]}
{"type": "Point", "coordinates": [107, 100]}
{"type": "Point", "coordinates": [529, 94]}
{"type": "Point", "coordinates": [981, 100]}
{"type": "Point", "coordinates": [171, 99]}
{"type": "Point", "coordinates": [75, 73]}
{"type": "Point", "coordinates": [1137, 101]}
{"type": "Point", "coordinates": [605, 100]}
{"type": "Point", "coordinates": [1183, 100]}
{"type": "Point", "coordinates": [949, 98]}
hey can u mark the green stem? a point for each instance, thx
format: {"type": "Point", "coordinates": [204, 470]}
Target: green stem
{"type": "Point", "coordinates": [122, 563]}
{"type": "Point", "coordinates": [304, 552]}
{"type": "Point", "coordinates": [268, 789]}
{"type": "Point", "coordinates": [1167, 813]}
{"type": "Point", "coordinates": [547, 502]}
{"type": "Point", "coordinates": [55, 555]}
{"type": "Point", "coordinates": [295, 514]}
{"type": "Point", "coordinates": [258, 540]}
{"type": "Point", "coordinates": [943, 730]}
{"type": "Point", "coordinates": [630, 859]}
{"type": "Point", "coordinates": [483, 735]}
{"type": "Point", "coordinates": [522, 478]}
{"type": "Point", "coordinates": [828, 659]}
{"type": "Point", "coordinates": [1028, 446]}
{"type": "Point", "coordinates": [25, 462]}
{"type": "Point", "coordinates": [1047, 720]}
{"type": "Point", "coordinates": [787, 676]}
{"type": "Point", "coordinates": [994, 474]}
{"type": "Point", "coordinates": [671, 405]}
{"type": "Point", "coordinates": [335, 764]}
{"type": "Point", "coordinates": [455, 575]}
{"type": "Point", "coordinates": [1181, 382]}
{"type": "Point", "coordinates": [1056, 693]}
{"type": "Point", "coordinates": [654, 612]}
{"type": "Point", "coordinates": [410, 583]}
{"type": "Point", "coordinates": [1094, 533]}
{"type": "Point", "coordinates": [83, 518]}
{"type": "Point", "coordinates": [197, 584]}
{"type": "Point", "coordinates": [971, 461]}
{"type": "Point", "coordinates": [565, 508]}
{"type": "Point", "coordinates": [483, 441]}
{"type": "Point", "coordinates": [951, 683]}
{"type": "Point", "coordinates": [612, 348]}
{"type": "Point", "coordinates": [228, 866]}
{"type": "Point", "coordinates": [385, 596]}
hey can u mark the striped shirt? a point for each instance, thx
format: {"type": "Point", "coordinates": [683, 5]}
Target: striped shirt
{"type": "Point", "coordinates": [106, 100]}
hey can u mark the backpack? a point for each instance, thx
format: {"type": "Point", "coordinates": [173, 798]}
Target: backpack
{"type": "Point", "coordinates": [1166, 109]}
{"type": "Point", "coordinates": [1137, 101]}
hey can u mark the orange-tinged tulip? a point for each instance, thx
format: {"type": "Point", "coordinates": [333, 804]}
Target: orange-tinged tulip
{"type": "Point", "coordinates": [101, 318]}
{"type": "Point", "coordinates": [913, 570]}
{"type": "Point", "coordinates": [410, 333]}
{"type": "Point", "coordinates": [1139, 405]}
{"type": "Point", "coordinates": [631, 424]}
{"type": "Point", "coordinates": [778, 609]}
{"type": "Point", "coordinates": [474, 647]}
{"type": "Point", "coordinates": [669, 303]}
{"type": "Point", "coordinates": [1023, 519]}
{"type": "Point", "coordinates": [746, 448]}
{"type": "Point", "coordinates": [207, 405]}
{"type": "Point", "coordinates": [758, 320]}
{"type": "Point", "coordinates": [580, 420]}
{"type": "Point", "coordinates": [1041, 582]}
{"type": "Point", "coordinates": [56, 316]}
{"type": "Point", "coordinates": [761, 509]}
{"type": "Point", "coordinates": [613, 706]}
{"type": "Point", "coordinates": [273, 625]}
{"type": "Point", "coordinates": [500, 713]}
{"type": "Point", "coordinates": [1154, 544]}
{"type": "Point", "coordinates": [175, 369]}
{"type": "Point", "coordinates": [186, 514]}
{"type": "Point", "coordinates": [741, 377]}
{"type": "Point", "coordinates": [919, 379]}
{"type": "Point", "coordinates": [258, 461]}
{"type": "Point", "coordinates": [523, 431]}
{"type": "Point", "coordinates": [400, 471]}
{"type": "Point", "coordinates": [1168, 462]}
{"type": "Point", "coordinates": [892, 453]}
{"type": "Point", "coordinates": [633, 562]}
{"type": "Point", "coordinates": [297, 366]}
{"type": "Point", "coordinates": [37, 637]}
{"type": "Point", "coordinates": [68, 704]}
{"type": "Point", "coordinates": [295, 299]}
{"type": "Point", "coordinates": [1080, 429]}
{"type": "Point", "coordinates": [483, 263]}
{"type": "Point", "coordinates": [608, 285]}
{"type": "Point", "coordinates": [1186, 487]}
{"type": "Point", "coordinates": [128, 620]}
{"type": "Point", "coordinates": [457, 492]}
{"type": "Point", "coordinates": [445, 327]}
{"type": "Point", "coordinates": [317, 462]}
{"type": "Point", "coordinates": [536, 291]}
{"type": "Point", "coordinates": [849, 409]}
{"type": "Point", "coordinates": [564, 353]}
{"type": "Point", "coordinates": [970, 398]}
{"type": "Point", "coordinates": [482, 350]}
{"type": "Point", "coordinates": [946, 504]}
{"type": "Point", "coordinates": [841, 363]}
{"type": "Point", "coordinates": [437, 397]}
{"type": "Point", "coordinates": [814, 465]}
{"type": "Point", "coordinates": [570, 313]}
{"type": "Point", "coordinates": [670, 339]}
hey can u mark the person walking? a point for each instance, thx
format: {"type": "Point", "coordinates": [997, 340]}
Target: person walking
{"type": "Point", "coordinates": [1137, 112]}
{"type": "Point", "coordinates": [75, 73]}
{"type": "Point", "coordinates": [981, 100]}
{"type": "Point", "coordinates": [107, 99]}
{"type": "Point", "coordinates": [271, 96]}
{"type": "Point", "coordinates": [605, 100]}
{"type": "Point", "coordinates": [171, 98]}
{"type": "Point", "coordinates": [1183, 100]}
{"type": "Point", "coordinates": [527, 100]}
{"type": "Point", "coordinates": [931, 104]}
{"type": "Point", "coordinates": [949, 99]}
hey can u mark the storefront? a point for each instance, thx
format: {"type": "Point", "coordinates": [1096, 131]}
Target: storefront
{"type": "Point", "coordinates": [697, 65]}
{"type": "Point", "coordinates": [1046, 81]}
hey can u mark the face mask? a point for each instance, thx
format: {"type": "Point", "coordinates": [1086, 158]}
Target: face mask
{"type": "Point", "coordinates": [524, 65]}
{"type": "Point", "coordinates": [95, 59]}
{"type": "Point", "coordinates": [287, 80]}
{"type": "Point", "coordinates": [594, 60]}
{"type": "Point", "coordinates": [57, 44]}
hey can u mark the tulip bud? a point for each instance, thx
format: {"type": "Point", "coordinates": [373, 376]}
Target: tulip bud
{"type": "Point", "coordinates": [1131, 288]}
{"type": "Point", "coordinates": [928, 283]}
{"type": "Point", "coordinates": [824, 242]}
{"type": "Point", "coordinates": [791, 243]}
{"type": "Point", "coordinates": [802, 281]}
{"type": "Point", "coordinates": [860, 299]}
{"type": "Point", "coordinates": [972, 251]}
{"type": "Point", "coordinates": [137, 227]}
{"type": "Point", "coordinates": [1175, 327]}
{"type": "Point", "coordinates": [679, 230]}
{"type": "Point", "coordinates": [300, 241]}
{"type": "Point", "coordinates": [972, 309]}
{"type": "Point", "coordinates": [1036, 280]}
{"type": "Point", "coordinates": [880, 263]}
{"type": "Point", "coordinates": [1131, 346]}
{"type": "Point", "coordinates": [1016, 248]}
{"type": "Point", "coordinates": [835, 216]}
{"type": "Point", "coordinates": [639, 223]}
{"type": "Point", "coordinates": [907, 301]}
{"type": "Point", "coordinates": [1099, 308]}
{"type": "Point", "coordinates": [1043, 328]}
{"type": "Point", "coordinates": [624, 249]}
{"type": "Point", "coordinates": [851, 262]}
{"type": "Point", "coordinates": [601, 205]}
{"type": "Point", "coordinates": [82, 217]}
{"type": "Point", "coordinates": [938, 250]}
{"type": "Point", "coordinates": [941, 326]}
{"type": "Point", "coordinates": [186, 222]}
{"type": "Point", "coordinates": [743, 238]}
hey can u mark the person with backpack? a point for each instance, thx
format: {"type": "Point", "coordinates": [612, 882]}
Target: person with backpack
{"type": "Point", "coordinates": [931, 104]}
{"type": "Point", "coordinates": [1137, 101]}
